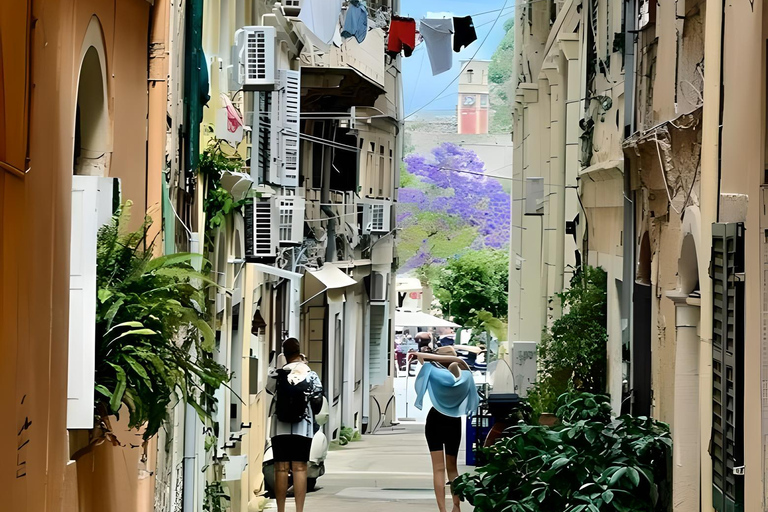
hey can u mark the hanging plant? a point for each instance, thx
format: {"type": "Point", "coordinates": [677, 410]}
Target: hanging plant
{"type": "Point", "coordinates": [153, 341]}
{"type": "Point", "coordinates": [219, 202]}
{"type": "Point", "coordinates": [215, 497]}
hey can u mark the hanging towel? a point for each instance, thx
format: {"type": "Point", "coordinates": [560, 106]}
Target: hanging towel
{"type": "Point", "coordinates": [450, 396]}
{"type": "Point", "coordinates": [402, 36]}
{"type": "Point", "coordinates": [322, 18]}
{"type": "Point", "coordinates": [437, 37]}
{"type": "Point", "coordinates": [356, 22]}
{"type": "Point", "coordinates": [463, 33]}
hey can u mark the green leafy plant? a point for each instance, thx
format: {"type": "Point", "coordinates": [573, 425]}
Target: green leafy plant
{"type": "Point", "coordinates": [572, 352]}
{"type": "Point", "coordinates": [218, 201]}
{"type": "Point", "coordinates": [588, 462]}
{"type": "Point", "coordinates": [215, 497]}
{"type": "Point", "coordinates": [153, 339]}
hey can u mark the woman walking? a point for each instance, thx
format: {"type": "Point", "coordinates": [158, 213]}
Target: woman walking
{"type": "Point", "coordinates": [452, 390]}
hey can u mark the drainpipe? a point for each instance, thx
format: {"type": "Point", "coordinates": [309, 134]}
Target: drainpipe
{"type": "Point", "coordinates": [628, 271]}
{"type": "Point", "coordinates": [710, 192]}
{"type": "Point", "coordinates": [325, 200]}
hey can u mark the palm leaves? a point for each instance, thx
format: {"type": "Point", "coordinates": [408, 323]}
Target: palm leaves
{"type": "Point", "coordinates": [153, 340]}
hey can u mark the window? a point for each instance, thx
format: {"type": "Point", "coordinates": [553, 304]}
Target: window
{"type": "Point", "coordinates": [484, 100]}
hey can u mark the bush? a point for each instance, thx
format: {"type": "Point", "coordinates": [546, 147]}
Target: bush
{"type": "Point", "coordinates": [589, 462]}
{"type": "Point", "coordinates": [572, 353]}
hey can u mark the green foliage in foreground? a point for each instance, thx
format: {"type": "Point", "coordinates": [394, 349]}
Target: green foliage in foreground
{"type": "Point", "coordinates": [152, 337]}
{"type": "Point", "coordinates": [590, 462]}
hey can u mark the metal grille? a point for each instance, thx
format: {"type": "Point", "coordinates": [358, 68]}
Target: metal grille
{"type": "Point", "coordinates": [263, 129]}
{"type": "Point", "coordinates": [285, 225]}
{"type": "Point", "coordinates": [377, 217]}
{"type": "Point", "coordinates": [256, 55]}
{"type": "Point", "coordinates": [289, 112]}
{"type": "Point", "coordinates": [727, 366]}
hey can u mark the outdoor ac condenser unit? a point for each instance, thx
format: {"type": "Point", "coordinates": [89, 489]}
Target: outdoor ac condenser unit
{"type": "Point", "coordinates": [255, 49]}
{"type": "Point", "coordinates": [291, 223]}
{"type": "Point", "coordinates": [376, 216]}
{"type": "Point", "coordinates": [261, 229]}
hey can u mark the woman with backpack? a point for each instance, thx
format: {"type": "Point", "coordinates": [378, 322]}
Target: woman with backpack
{"type": "Point", "coordinates": [298, 396]}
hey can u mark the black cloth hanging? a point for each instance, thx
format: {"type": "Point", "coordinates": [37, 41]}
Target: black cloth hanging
{"type": "Point", "coordinates": [463, 33]}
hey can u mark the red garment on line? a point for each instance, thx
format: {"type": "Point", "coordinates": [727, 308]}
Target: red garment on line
{"type": "Point", "coordinates": [402, 36]}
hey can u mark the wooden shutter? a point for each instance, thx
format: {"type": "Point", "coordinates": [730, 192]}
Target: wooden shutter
{"type": "Point", "coordinates": [727, 443]}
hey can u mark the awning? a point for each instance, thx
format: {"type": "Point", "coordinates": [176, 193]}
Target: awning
{"type": "Point", "coordinates": [332, 277]}
{"type": "Point", "coordinates": [420, 319]}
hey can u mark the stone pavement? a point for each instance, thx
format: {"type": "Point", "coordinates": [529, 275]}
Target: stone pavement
{"type": "Point", "coordinates": [389, 470]}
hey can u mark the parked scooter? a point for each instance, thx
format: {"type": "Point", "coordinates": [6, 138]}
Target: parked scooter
{"type": "Point", "coordinates": [317, 455]}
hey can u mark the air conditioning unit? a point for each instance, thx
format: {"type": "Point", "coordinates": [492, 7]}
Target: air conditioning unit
{"type": "Point", "coordinates": [374, 216]}
{"type": "Point", "coordinates": [291, 7]}
{"type": "Point", "coordinates": [291, 219]}
{"type": "Point", "coordinates": [261, 229]}
{"type": "Point", "coordinates": [255, 49]}
{"type": "Point", "coordinates": [379, 287]}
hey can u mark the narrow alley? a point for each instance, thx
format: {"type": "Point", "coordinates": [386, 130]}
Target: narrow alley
{"type": "Point", "coordinates": [391, 466]}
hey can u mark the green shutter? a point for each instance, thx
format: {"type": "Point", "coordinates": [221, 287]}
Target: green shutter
{"type": "Point", "coordinates": [726, 445]}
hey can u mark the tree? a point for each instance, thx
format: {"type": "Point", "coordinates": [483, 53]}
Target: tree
{"type": "Point", "coordinates": [501, 75]}
{"type": "Point", "coordinates": [446, 207]}
{"type": "Point", "coordinates": [473, 282]}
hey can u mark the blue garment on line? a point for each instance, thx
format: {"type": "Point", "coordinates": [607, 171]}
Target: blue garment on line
{"type": "Point", "coordinates": [450, 396]}
{"type": "Point", "coordinates": [356, 22]}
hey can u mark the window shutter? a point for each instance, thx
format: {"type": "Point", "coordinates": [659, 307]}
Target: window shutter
{"type": "Point", "coordinates": [92, 207]}
{"type": "Point", "coordinates": [261, 230]}
{"type": "Point", "coordinates": [379, 352]}
{"type": "Point", "coordinates": [287, 116]}
{"type": "Point", "coordinates": [727, 443]}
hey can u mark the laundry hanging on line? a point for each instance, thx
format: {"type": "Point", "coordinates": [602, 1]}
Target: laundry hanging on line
{"type": "Point", "coordinates": [463, 33]}
{"type": "Point", "coordinates": [356, 21]}
{"type": "Point", "coordinates": [402, 36]}
{"type": "Point", "coordinates": [437, 36]}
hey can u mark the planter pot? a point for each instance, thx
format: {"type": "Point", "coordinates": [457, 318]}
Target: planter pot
{"type": "Point", "coordinates": [547, 419]}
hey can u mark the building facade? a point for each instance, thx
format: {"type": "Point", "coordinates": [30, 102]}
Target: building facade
{"type": "Point", "coordinates": [639, 131]}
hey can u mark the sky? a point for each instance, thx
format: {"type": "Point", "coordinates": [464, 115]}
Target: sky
{"type": "Point", "coordinates": [420, 88]}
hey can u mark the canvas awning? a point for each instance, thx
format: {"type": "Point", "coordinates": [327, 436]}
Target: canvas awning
{"type": "Point", "coordinates": [332, 277]}
{"type": "Point", "coordinates": [420, 319]}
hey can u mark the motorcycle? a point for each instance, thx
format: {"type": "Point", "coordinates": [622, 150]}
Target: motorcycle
{"type": "Point", "coordinates": [317, 455]}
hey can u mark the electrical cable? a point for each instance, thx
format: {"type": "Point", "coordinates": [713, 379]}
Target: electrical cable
{"type": "Point", "coordinates": [464, 67]}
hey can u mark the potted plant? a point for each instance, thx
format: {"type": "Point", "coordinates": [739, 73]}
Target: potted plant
{"type": "Point", "coordinates": [153, 340]}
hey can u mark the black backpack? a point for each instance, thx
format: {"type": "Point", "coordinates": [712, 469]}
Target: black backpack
{"type": "Point", "coordinates": [291, 399]}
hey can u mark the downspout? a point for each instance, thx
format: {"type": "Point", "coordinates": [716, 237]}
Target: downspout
{"type": "Point", "coordinates": [628, 253]}
{"type": "Point", "coordinates": [710, 192]}
{"type": "Point", "coordinates": [325, 200]}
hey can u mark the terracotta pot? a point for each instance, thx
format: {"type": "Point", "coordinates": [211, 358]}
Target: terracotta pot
{"type": "Point", "coordinates": [547, 419]}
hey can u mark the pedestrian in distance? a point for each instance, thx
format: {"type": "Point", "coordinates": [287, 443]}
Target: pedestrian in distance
{"type": "Point", "coordinates": [298, 397]}
{"type": "Point", "coordinates": [453, 393]}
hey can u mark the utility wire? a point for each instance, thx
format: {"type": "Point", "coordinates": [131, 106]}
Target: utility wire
{"type": "Point", "coordinates": [464, 67]}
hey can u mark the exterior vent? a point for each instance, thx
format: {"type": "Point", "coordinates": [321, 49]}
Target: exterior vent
{"type": "Point", "coordinates": [291, 223]}
{"type": "Point", "coordinates": [256, 58]}
{"type": "Point", "coordinates": [261, 230]}
{"type": "Point", "coordinates": [283, 166]}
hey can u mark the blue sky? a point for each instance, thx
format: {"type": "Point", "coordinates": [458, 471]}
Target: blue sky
{"type": "Point", "coordinates": [419, 86]}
